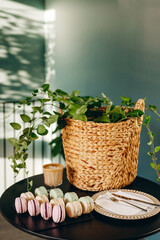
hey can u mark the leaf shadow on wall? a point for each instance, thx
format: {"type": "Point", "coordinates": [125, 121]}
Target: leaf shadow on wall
{"type": "Point", "coordinates": [21, 51]}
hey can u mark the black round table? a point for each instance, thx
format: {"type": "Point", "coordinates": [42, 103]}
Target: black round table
{"type": "Point", "coordinates": [93, 226]}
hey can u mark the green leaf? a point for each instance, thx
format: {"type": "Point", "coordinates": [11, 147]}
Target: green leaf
{"type": "Point", "coordinates": [82, 110]}
{"type": "Point", "coordinates": [158, 166]}
{"type": "Point", "coordinates": [17, 156]}
{"type": "Point", "coordinates": [62, 93]}
{"type": "Point", "coordinates": [150, 142]}
{"type": "Point", "coordinates": [66, 102]}
{"type": "Point", "coordinates": [153, 165]}
{"type": "Point", "coordinates": [26, 131]}
{"type": "Point", "coordinates": [46, 124]}
{"type": "Point", "coordinates": [157, 149]}
{"type": "Point", "coordinates": [147, 119]}
{"type": "Point", "coordinates": [52, 119]}
{"type": "Point", "coordinates": [126, 99]}
{"type": "Point", "coordinates": [45, 87]}
{"type": "Point", "coordinates": [22, 101]}
{"type": "Point", "coordinates": [150, 153]}
{"type": "Point", "coordinates": [15, 125]}
{"type": "Point", "coordinates": [44, 118]}
{"type": "Point", "coordinates": [46, 113]}
{"type": "Point", "coordinates": [56, 140]}
{"type": "Point", "coordinates": [28, 98]}
{"type": "Point", "coordinates": [90, 101]}
{"type": "Point", "coordinates": [20, 165]}
{"type": "Point", "coordinates": [41, 130]}
{"type": "Point", "coordinates": [13, 141]}
{"type": "Point", "coordinates": [28, 103]}
{"type": "Point", "coordinates": [25, 118]}
{"type": "Point", "coordinates": [103, 119]}
{"type": "Point", "coordinates": [75, 93]}
{"type": "Point", "coordinates": [14, 169]}
{"type": "Point", "coordinates": [57, 146]}
{"type": "Point", "coordinates": [52, 95]}
{"type": "Point", "coordinates": [158, 179]}
{"type": "Point", "coordinates": [33, 136]}
{"type": "Point", "coordinates": [61, 122]}
{"type": "Point", "coordinates": [104, 96]}
{"type": "Point", "coordinates": [81, 117]}
{"type": "Point", "coordinates": [45, 100]}
{"type": "Point", "coordinates": [72, 108]}
{"type": "Point", "coordinates": [135, 113]}
{"type": "Point", "coordinates": [25, 156]}
{"type": "Point", "coordinates": [37, 109]}
{"type": "Point", "coordinates": [78, 100]}
{"type": "Point", "coordinates": [105, 100]}
{"type": "Point", "coordinates": [35, 91]}
{"type": "Point", "coordinates": [29, 184]}
{"type": "Point", "coordinates": [152, 108]}
{"type": "Point", "coordinates": [117, 110]}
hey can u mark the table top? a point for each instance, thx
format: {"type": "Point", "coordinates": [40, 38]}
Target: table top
{"type": "Point", "coordinates": [94, 226]}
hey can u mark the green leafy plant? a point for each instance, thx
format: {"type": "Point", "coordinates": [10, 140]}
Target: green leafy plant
{"type": "Point", "coordinates": [64, 105]}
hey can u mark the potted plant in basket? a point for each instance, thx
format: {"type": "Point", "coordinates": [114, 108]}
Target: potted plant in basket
{"type": "Point", "coordinates": [100, 140]}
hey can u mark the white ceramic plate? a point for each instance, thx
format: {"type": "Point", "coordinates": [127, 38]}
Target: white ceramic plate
{"type": "Point", "coordinates": [115, 209]}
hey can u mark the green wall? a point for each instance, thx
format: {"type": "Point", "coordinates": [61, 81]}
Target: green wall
{"type": "Point", "coordinates": [111, 47]}
{"type": "Point", "coordinates": [22, 65]}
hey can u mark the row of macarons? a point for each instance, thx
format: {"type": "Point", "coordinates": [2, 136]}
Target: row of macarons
{"type": "Point", "coordinates": [57, 208]}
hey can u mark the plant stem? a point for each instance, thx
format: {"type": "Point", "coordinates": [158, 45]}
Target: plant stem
{"type": "Point", "coordinates": [152, 149]}
{"type": "Point", "coordinates": [157, 113]}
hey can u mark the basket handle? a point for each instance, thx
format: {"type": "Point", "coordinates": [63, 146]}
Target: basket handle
{"type": "Point", "coordinates": [140, 104]}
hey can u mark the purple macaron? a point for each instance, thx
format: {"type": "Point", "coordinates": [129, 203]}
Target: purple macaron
{"type": "Point", "coordinates": [59, 213]}
{"type": "Point", "coordinates": [33, 207]}
{"type": "Point", "coordinates": [21, 205]}
{"type": "Point", "coordinates": [46, 210]}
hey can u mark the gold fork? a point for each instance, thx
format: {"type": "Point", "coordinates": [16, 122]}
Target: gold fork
{"type": "Point", "coordinates": [116, 200]}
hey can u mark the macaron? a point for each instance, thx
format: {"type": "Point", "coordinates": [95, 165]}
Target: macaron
{"type": "Point", "coordinates": [21, 205]}
{"type": "Point", "coordinates": [70, 197]}
{"type": "Point", "coordinates": [58, 213]}
{"type": "Point", "coordinates": [42, 199]}
{"type": "Point", "coordinates": [87, 204]}
{"type": "Point", "coordinates": [27, 195]}
{"type": "Point", "coordinates": [46, 211]}
{"type": "Point", "coordinates": [33, 207]}
{"type": "Point", "coordinates": [56, 193]}
{"type": "Point", "coordinates": [74, 209]}
{"type": "Point", "coordinates": [56, 201]}
{"type": "Point", "coordinates": [41, 191]}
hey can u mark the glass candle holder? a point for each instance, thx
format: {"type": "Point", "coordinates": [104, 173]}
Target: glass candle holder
{"type": "Point", "coordinates": [53, 174]}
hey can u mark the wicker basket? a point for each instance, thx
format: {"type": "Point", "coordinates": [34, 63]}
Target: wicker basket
{"type": "Point", "coordinates": [102, 156]}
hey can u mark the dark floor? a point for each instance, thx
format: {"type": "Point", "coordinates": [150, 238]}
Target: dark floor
{"type": "Point", "coordinates": [8, 232]}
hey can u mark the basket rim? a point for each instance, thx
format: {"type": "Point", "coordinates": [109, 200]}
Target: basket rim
{"type": "Point", "coordinates": [132, 120]}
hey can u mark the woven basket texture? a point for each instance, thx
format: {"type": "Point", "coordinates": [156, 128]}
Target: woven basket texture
{"type": "Point", "coordinates": [102, 156]}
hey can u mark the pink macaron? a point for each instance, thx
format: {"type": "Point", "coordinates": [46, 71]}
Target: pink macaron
{"type": "Point", "coordinates": [21, 205]}
{"type": "Point", "coordinates": [58, 213]}
{"type": "Point", "coordinates": [46, 210]}
{"type": "Point", "coordinates": [33, 207]}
